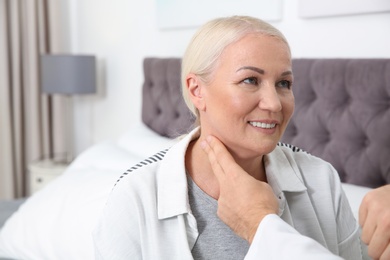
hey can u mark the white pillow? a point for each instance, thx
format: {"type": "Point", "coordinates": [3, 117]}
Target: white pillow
{"type": "Point", "coordinates": [56, 223]}
{"type": "Point", "coordinates": [143, 141]}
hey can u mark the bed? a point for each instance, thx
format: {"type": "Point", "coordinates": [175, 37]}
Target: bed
{"type": "Point", "coordinates": [342, 115]}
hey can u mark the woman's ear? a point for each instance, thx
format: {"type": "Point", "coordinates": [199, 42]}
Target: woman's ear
{"type": "Point", "coordinates": [196, 92]}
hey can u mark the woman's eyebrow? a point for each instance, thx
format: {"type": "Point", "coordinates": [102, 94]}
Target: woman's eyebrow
{"type": "Point", "coordinates": [258, 70]}
{"type": "Point", "coordinates": [289, 72]}
{"type": "Point", "coordinates": [261, 71]}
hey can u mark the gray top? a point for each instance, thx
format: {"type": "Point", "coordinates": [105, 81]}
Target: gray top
{"type": "Point", "coordinates": [216, 240]}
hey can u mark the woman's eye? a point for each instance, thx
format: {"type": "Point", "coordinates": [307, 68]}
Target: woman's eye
{"type": "Point", "coordinates": [284, 84]}
{"type": "Point", "coordinates": [251, 80]}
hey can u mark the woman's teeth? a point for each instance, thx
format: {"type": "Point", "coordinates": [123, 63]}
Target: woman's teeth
{"type": "Point", "coordinates": [262, 125]}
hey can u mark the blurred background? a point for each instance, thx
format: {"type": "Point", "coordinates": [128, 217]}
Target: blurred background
{"type": "Point", "coordinates": [120, 34]}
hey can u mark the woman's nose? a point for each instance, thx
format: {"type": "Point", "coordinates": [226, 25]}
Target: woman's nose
{"type": "Point", "coordinates": [269, 98]}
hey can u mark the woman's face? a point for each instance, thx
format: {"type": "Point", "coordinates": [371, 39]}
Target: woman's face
{"type": "Point", "coordinates": [249, 100]}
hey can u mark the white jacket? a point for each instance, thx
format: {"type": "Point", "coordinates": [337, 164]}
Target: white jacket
{"type": "Point", "coordinates": [148, 216]}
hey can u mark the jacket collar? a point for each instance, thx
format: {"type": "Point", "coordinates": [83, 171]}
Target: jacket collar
{"type": "Point", "coordinates": [282, 171]}
{"type": "Point", "coordinates": [172, 179]}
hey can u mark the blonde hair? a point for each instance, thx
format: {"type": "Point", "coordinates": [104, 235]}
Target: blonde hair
{"type": "Point", "coordinates": [209, 42]}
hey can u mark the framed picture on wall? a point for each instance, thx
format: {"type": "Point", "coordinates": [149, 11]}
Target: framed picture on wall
{"type": "Point", "coordinates": [193, 13]}
{"type": "Point", "coordinates": [321, 8]}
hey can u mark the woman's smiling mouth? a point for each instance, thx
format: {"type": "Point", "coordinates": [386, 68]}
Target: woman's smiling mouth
{"type": "Point", "coordinates": [262, 125]}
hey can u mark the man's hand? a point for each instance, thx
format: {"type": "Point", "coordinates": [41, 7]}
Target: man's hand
{"type": "Point", "coordinates": [243, 201]}
{"type": "Point", "coordinates": [374, 218]}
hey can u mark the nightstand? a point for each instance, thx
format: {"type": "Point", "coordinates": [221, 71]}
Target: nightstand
{"type": "Point", "coordinates": [42, 172]}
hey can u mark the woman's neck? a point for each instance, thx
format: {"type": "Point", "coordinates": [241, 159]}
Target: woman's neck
{"type": "Point", "coordinates": [199, 168]}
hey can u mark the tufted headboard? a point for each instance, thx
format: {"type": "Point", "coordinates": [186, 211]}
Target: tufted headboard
{"type": "Point", "coordinates": [342, 112]}
{"type": "Point", "coordinates": [163, 107]}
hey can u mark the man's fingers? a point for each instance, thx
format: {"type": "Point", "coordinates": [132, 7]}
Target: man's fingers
{"type": "Point", "coordinates": [363, 213]}
{"type": "Point", "coordinates": [222, 155]}
{"type": "Point", "coordinates": [215, 165]}
{"type": "Point", "coordinates": [368, 229]}
{"type": "Point", "coordinates": [378, 244]}
{"type": "Point", "coordinates": [386, 253]}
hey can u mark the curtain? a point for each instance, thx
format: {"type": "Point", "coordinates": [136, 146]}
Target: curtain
{"type": "Point", "coordinates": [29, 121]}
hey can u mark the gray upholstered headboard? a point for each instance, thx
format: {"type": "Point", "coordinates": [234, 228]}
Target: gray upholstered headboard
{"type": "Point", "coordinates": [163, 107]}
{"type": "Point", "coordinates": [342, 112]}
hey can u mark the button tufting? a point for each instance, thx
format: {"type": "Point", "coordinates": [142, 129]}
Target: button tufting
{"type": "Point", "coordinates": [348, 101]}
{"type": "Point", "coordinates": [366, 142]}
{"type": "Point", "coordinates": [177, 114]}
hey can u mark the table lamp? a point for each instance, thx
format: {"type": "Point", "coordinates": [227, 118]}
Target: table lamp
{"type": "Point", "coordinates": [68, 75]}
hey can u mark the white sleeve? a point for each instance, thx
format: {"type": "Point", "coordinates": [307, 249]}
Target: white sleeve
{"type": "Point", "coordinates": [275, 239]}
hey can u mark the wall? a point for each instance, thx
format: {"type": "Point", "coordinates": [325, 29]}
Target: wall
{"type": "Point", "coordinates": [122, 32]}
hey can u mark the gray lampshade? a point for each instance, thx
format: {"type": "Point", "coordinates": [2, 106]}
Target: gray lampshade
{"type": "Point", "coordinates": [68, 74]}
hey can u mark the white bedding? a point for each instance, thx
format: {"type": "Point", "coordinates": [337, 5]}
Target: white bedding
{"type": "Point", "coordinates": [56, 222]}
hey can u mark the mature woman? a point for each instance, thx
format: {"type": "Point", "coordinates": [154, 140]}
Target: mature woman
{"type": "Point", "coordinates": [237, 79]}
